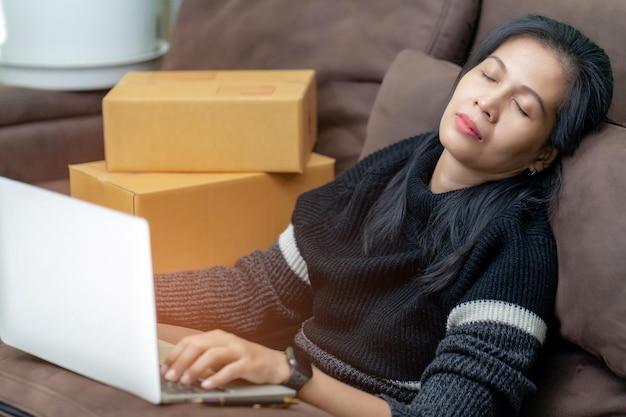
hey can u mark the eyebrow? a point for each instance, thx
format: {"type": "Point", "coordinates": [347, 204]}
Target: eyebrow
{"type": "Point", "coordinates": [524, 87]}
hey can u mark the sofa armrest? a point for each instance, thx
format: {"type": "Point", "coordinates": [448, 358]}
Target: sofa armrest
{"type": "Point", "coordinates": [42, 131]}
{"type": "Point", "coordinates": [25, 105]}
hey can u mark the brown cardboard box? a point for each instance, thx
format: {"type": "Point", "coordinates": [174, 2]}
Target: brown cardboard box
{"type": "Point", "coordinates": [211, 121]}
{"type": "Point", "coordinates": [202, 219]}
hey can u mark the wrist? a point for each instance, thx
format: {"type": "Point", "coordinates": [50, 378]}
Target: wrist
{"type": "Point", "coordinates": [281, 368]}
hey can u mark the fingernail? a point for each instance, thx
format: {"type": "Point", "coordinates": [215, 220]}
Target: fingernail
{"type": "Point", "coordinates": [164, 369]}
{"type": "Point", "coordinates": [185, 379]}
{"type": "Point", "coordinates": [170, 375]}
{"type": "Point", "coordinates": [207, 384]}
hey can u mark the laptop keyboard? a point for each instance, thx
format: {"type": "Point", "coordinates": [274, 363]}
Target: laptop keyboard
{"type": "Point", "coordinates": [178, 388]}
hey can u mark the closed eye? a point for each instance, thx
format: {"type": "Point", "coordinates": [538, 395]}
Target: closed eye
{"type": "Point", "coordinates": [521, 110]}
{"type": "Point", "coordinates": [488, 77]}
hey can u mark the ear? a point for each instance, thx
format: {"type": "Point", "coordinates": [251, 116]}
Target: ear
{"type": "Point", "coordinates": [544, 159]}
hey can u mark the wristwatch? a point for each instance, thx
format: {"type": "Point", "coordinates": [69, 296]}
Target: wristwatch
{"type": "Point", "coordinates": [301, 370]}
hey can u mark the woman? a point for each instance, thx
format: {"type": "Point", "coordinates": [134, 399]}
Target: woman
{"type": "Point", "coordinates": [425, 276]}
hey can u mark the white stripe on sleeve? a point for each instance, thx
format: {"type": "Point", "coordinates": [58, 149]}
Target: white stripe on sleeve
{"type": "Point", "coordinates": [498, 312]}
{"type": "Point", "coordinates": [289, 249]}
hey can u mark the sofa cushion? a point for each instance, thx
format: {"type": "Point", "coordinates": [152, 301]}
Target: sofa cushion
{"type": "Point", "coordinates": [346, 39]}
{"type": "Point", "coordinates": [25, 105]}
{"type": "Point", "coordinates": [412, 79]}
{"type": "Point", "coordinates": [572, 383]}
{"type": "Point", "coordinates": [590, 229]}
{"type": "Point", "coordinates": [350, 44]}
{"type": "Point", "coordinates": [41, 151]}
{"type": "Point", "coordinates": [601, 20]}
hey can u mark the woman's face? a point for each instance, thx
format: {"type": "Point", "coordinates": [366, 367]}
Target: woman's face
{"type": "Point", "coordinates": [498, 120]}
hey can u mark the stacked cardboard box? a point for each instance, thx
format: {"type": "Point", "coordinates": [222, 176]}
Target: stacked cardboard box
{"type": "Point", "coordinates": [214, 160]}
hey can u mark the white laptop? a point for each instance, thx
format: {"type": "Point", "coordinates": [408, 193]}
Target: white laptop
{"type": "Point", "coordinates": [76, 289]}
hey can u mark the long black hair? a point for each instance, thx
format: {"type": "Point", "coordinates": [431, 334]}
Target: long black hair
{"type": "Point", "coordinates": [447, 238]}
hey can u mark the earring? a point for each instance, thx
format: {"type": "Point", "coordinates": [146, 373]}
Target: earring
{"type": "Point", "coordinates": [531, 173]}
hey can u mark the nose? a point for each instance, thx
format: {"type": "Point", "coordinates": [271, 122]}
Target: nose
{"type": "Point", "coordinates": [488, 105]}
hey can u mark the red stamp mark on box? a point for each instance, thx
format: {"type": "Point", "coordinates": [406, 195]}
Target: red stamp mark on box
{"type": "Point", "coordinates": [247, 90]}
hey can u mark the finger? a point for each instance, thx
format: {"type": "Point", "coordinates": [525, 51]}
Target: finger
{"type": "Point", "coordinates": [211, 360]}
{"type": "Point", "coordinates": [170, 358]}
{"type": "Point", "coordinates": [187, 352]}
{"type": "Point", "coordinates": [225, 375]}
{"type": "Point", "coordinates": [175, 351]}
{"type": "Point", "coordinates": [254, 363]}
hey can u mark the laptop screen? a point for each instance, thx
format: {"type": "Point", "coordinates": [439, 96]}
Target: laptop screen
{"type": "Point", "coordinates": [76, 287]}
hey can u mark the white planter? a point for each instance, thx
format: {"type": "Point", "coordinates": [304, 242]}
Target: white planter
{"type": "Point", "coordinates": [70, 32]}
{"type": "Point", "coordinates": [78, 44]}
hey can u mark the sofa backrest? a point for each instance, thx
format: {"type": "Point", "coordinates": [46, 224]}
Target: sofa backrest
{"type": "Point", "coordinates": [350, 44]}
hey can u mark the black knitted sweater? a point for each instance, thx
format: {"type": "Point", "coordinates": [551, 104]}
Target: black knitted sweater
{"type": "Point", "coordinates": [466, 351]}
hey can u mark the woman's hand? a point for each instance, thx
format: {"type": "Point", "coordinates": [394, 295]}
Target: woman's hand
{"type": "Point", "coordinates": [221, 357]}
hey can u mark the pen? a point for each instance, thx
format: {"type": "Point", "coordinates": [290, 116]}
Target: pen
{"type": "Point", "coordinates": [260, 402]}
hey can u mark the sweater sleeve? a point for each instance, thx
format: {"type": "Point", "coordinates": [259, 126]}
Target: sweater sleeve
{"type": "Point", "coordinates": [495, 331]}
{"type": "Point", "coordinates": [264, 291]}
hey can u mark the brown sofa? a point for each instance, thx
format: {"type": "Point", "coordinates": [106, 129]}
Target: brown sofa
{"type": "Point", "coordinates": [383, 73]}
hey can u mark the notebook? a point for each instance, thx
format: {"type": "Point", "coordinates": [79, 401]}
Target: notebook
{"type": "Point", "coordinates": [76, 289]}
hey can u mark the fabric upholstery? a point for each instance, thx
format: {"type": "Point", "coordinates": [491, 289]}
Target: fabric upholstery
{"type": "Point", "coordinates": [572, 383]}
{"type": "Point", "coordinates": [41, 151]}
{"type": "Point", "coordinates": [590, 228]}
{"type": "Point", "coordinates": [601, 20]}
{"type": "Point", "coordinates": [42, 131]}
{"type": "Point", "coordinates": [350, 44]}
{"type": "Point", "coordinates": [23, 105]}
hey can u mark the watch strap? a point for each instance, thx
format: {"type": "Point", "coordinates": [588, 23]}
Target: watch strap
{"type": "Point", "coordinates": [301, 369]}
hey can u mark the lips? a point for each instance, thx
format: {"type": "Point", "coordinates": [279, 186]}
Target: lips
{"type": "Point", "coordinates": [467, 126]}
